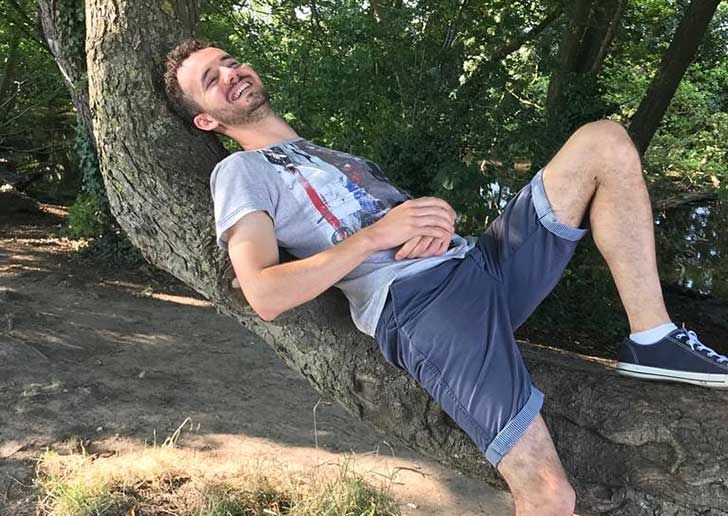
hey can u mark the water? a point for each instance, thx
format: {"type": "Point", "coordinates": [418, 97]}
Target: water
{"type": "Point", "coordinates": [692, 246]}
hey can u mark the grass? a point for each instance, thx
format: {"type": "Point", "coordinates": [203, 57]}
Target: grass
{"type": "Point", "coordinates": [169, 481]}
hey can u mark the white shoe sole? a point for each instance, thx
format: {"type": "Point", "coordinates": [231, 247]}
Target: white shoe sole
{"type": "Point", "coordinates": [716, 381]}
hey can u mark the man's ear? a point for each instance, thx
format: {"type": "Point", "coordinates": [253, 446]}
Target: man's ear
{"type": "Point", "coordinates": [205, 122]}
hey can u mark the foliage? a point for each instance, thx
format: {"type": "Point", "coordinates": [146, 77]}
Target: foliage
{"type": "Point", "coordinates": [88, 163]}
{"type": "Point", "coordinates": [92, 184]}
{"type": "Point", "coordinates": [85, 218]}
{"type": "Point", "coordinates": [36, 117]}
{"type": "Point", "coordinates": [690, 147]}
{"type": "Point", "coordinates": [89, 217]}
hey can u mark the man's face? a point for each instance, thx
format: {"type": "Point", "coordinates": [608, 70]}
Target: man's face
{"type": "Point", "coordinates": [229, 93]}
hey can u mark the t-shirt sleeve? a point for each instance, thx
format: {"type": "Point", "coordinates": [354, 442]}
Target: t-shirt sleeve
{"type": "Point", "coordinates": [239, 187]}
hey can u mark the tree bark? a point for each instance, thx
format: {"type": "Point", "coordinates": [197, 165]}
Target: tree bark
{"type": "Point", "coordinates": [631, 448]}
{"type": "Point", "coordinates": [63, 29]}
{"type": "Point", "coordinates": [677, 58]}
{"type": "Point", "coordinates": [605, 40]}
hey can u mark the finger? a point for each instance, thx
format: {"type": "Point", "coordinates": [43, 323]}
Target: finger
{"type": "Point", "coordinates": [423, 211]}
{"type": "Point", "coordinates": [406, 248]}
{"type": "Point", "coordinates": [421, 248]}
{"type": "Point", "coordinates": [435, 232]}
{"type": "Point", "coordinates": [444, 246]}
{"type": "Point", "coordinates": [439, 246]}
{"type": "Point", "coordinates": [429, 250]}
{"type": "Point", "coordinates": [434, 202]}
{"type": "Point", "coordinates": [434, 220]}
{"type": "Point", "coordinates": [429, 201]}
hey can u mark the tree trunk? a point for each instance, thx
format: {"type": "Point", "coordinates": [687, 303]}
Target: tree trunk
{"type": "Point", "coordinates": [573, 96]}
{"type": "Point", "coordinates": [8, 76]}
{"type": "Point", "coordinates": [675, 62]}
{"type": "Point", "coordinates": [62, 23]}
{"type": "Point", "coordinates": [568, 53]}
{"type": "Point", "coordinates": [631, 448]}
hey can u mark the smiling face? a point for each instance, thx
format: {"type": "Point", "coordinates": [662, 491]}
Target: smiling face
{"type": "Point", "coordinates": [228, 93]}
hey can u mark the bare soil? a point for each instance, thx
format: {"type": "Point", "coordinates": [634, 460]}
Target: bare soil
{"type": "Point", "coordinates": [118, 357]}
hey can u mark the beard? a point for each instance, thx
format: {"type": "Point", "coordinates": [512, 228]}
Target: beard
{"type": "Point", "coordinates": [255, 109]}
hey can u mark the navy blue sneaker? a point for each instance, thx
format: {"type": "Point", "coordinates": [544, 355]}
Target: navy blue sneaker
{"type": "Point", "coordinates": [678, 357]}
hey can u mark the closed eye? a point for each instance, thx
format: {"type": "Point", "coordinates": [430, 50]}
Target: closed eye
{"type": "Point", "coordinates": [228, 61]}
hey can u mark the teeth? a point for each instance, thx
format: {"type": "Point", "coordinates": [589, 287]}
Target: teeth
{"type": "Point", "coordinates": [243, 86]}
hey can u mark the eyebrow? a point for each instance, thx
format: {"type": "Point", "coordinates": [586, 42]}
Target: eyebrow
{"type": "Point", "coordinates": [207, 70]}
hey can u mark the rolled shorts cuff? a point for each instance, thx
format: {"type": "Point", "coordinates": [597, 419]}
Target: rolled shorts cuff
{"type": "Point", "coordinates": [546, 214]}
{"type": "Point", "coordinates": [516, 427]}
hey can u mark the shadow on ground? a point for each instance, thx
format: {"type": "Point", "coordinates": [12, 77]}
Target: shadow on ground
{"type": "Point", "coordinates": [117, 358]}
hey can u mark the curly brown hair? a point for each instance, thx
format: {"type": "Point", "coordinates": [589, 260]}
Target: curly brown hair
{"type": "Point", "coordinates": [185, 106]}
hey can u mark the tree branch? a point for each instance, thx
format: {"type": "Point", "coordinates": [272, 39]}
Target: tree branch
{"type": "Point", "coordinates": [515, 44]}
{"type": "Point", "coordinates": [683, 199]}
{"type": "Point", "coordinates": [527, 36]}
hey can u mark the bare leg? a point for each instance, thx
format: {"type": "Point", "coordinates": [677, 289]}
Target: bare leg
{"type": "Point", "coordinates": [535, 475]}
{"type": "Point", "coordinates": [599, 169]}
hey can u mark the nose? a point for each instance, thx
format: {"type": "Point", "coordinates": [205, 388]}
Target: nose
{"type": "Point", "coordinates": [226, 74]}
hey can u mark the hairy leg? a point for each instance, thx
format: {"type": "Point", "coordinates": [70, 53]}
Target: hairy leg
{"type": "Point", "coordinates": [535, 475]}
{"type": "Point", "coordinates": [598, 169]}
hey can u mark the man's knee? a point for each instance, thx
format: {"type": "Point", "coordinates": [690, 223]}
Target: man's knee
{"type": "Point", "coordinates": [612, 146]}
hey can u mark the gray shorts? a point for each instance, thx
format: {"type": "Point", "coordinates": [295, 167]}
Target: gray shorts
{"type": "Point", "coordinates": [451, 327]}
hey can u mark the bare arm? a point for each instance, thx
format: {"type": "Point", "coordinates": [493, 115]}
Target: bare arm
{"type": "Point", "coordinates": [272, 287]}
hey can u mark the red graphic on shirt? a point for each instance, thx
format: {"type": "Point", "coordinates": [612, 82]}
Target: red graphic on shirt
{"type": "Point", "coordinates": [341, 232]}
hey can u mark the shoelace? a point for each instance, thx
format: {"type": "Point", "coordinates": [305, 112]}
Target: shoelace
{"type": "Point", "coordinates": [696, 345]}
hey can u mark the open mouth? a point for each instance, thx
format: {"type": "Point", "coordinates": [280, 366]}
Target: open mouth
{"type": "Point", "coordinates": [237, 90]}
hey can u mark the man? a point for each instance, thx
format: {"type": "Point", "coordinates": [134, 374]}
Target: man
{"type": "Point", "coordinates": [440, 306]}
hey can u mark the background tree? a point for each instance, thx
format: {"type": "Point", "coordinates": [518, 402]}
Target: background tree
{"type": "Point", "coordinates": [574, 95]}
{"type": "Point", "coordinates": [678, 56]}
{"type": "Point", "coordinates": [36, 130]}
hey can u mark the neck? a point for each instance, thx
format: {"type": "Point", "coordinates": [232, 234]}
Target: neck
{"type": "Point", "coordinates": [262, 133]}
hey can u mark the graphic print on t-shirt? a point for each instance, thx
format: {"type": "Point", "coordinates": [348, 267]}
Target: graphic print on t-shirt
{"type": "Point", "coordinates": [348, 193]}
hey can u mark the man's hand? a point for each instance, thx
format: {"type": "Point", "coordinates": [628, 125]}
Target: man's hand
{"type": "Point", "coordinates": [420, 247]}
{"type": "Point", "coordinates": [424, 217]}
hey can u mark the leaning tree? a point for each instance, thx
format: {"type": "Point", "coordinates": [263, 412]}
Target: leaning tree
{"type": "Point", "coordinates": [630, 448]}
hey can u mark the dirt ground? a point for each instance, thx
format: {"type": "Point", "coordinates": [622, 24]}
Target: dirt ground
{"type": "Point", "coordinates": [118, 358]}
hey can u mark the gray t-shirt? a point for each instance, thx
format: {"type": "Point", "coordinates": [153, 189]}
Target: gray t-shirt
{"type": "Point", "coordinates": [316, 198]}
